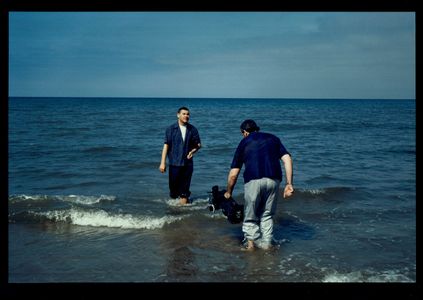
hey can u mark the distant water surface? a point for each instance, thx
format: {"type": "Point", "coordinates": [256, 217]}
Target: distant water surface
{"type": "Point", "coordinates": [86, 196]}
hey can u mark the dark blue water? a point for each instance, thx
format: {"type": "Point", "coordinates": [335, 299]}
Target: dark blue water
{"type": "Point", "coordinates": [88, 203]}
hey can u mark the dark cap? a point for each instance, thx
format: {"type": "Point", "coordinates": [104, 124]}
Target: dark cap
{"type": "Point", "coordinates": [249, 126]}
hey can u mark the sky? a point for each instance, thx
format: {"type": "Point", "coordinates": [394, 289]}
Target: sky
{"type": "Point", "coordinates": [362, 55]}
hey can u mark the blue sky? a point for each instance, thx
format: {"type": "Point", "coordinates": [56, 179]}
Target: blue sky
{"type": "Point", "coordinates": [213, 54]}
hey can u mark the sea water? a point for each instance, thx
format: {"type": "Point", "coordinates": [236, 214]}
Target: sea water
{"type": "Point", "coordinates": [87, 202]}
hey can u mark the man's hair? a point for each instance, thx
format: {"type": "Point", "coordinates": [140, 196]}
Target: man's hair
{"type": "Point", "coordinates": [182, 108]}
{"type": "Point", "coordinates": [249, 126]}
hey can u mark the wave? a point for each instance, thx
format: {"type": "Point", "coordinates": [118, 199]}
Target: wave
{"type": "Point", "coordinates": [368, 276]}
{"type": "Point", "coordinates": [95, 218]}
{"type": "Point", "coordinates": [79, 199]}
{"type": "Point", "coordinates": [196, 204]}
{"type": "Point", "coordinates": [321, 179]}
{"type": "Point", "coordinates": [326, 193]}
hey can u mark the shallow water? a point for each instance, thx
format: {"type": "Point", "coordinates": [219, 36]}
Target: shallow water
{"type": "Point", "coordinates": [88, 204]}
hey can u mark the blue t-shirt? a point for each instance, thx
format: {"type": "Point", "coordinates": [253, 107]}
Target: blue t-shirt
{"type": "Point", "coordinates": [261, 153]}
{"type": "Point", "coordinates": [178, 148]}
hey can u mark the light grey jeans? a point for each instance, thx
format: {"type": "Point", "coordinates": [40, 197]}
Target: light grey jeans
{"type": "Point", "coordinates": [261, 196]}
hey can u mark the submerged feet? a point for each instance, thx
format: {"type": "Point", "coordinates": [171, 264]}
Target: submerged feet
{"type": "Point", "coordinates": [248, 247]}
{"type": "Point", "coordinates": [267, 247]}
{"type": "Point", "coordinates": [183, 201]}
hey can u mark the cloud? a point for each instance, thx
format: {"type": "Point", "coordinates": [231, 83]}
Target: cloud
{"type": "Point", "coordinates": [214, 54]}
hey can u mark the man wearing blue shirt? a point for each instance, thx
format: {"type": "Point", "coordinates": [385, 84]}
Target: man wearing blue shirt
{"type": "Point", "coordinates": [261, 154]}
{"type": "Point", "coordinates": [182, 140]}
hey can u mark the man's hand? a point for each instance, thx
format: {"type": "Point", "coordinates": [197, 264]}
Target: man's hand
{"type": "Point", "coordinates": [191, 153]}
{"type": "Point", "coordinates": [288, 191]}
{"type": "Point", "coordinates": [162, 168]}
{"type": "Point", "coordinates": [227, 195]}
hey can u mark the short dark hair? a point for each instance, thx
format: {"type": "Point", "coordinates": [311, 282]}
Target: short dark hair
{"type": "Point", "coordinates": [182, 108]}
{"type": "Point", "coordinates": [249, 126]}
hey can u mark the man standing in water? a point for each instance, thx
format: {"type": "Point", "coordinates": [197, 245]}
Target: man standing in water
{"type": "Point", "coordinates": [261, 153]}
{"type": "Point", "coordinates": [182, 140]}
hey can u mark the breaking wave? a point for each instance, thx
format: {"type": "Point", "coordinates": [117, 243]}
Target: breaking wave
{"type": "Point", "coordinates": [96, 218]}
{"type": "Point", "coordinates": [79, 199]}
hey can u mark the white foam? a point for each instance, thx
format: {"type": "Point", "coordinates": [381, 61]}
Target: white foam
{"type": "Point", "coordinates": [290, 272]}
{"type": "Point", "coordinates": [100, 218]}
{"type": "Point", "coordinates": [80, 199]}
{"type": "Point", "coordinates": [197, 204]}
{"type": "Point", "coordinates": [348, 277]}
{"type": "Point", "coordinates": [357, 276]}
{"type": "Point", "coordinates": [216, 215]}
{"type": "Point", "coordinates": [23, 197]}
{"type": "Point", "coordinates": [316, 191]}
{"type": "Point", "coordinates": [389, 276]}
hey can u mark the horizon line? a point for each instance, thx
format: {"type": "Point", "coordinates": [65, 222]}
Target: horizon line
{"type": "Point", "coordinates": [247, 98]}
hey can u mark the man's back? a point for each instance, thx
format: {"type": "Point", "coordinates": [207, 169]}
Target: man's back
{"type": "Point", "coordinates": [260, 152]}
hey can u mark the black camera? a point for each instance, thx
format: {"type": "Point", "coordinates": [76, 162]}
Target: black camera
{"type": "Point", "coordinates": [230, 208]}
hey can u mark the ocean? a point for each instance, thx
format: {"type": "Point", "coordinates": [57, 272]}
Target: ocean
{"type": "Point", "coordinates": [87, 202]}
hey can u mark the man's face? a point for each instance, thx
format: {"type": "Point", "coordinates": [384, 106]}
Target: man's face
{"type": "Point", "coordinates": [183, 116]}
